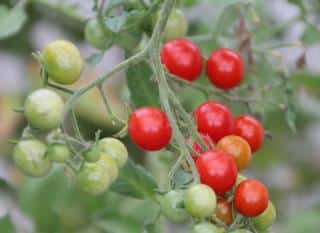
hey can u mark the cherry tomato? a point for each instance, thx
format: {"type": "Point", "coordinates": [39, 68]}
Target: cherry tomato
{"type": "Point", "coordinates": [96, 36]}
{"type": "Point", "coordinates": [214, 119]}
{"type": "Point", "coordinates": [149, 128]}
{"type": "Point", "coordinates": [177, 25]}
{"type": "Point", "coordinates": [218, 170]}
{"type": "Point", "coordinates": [172, 206]}
{"type": "Point", "coordinates": [58, 153]}
{"type": "Point", "coordinates": [182, 58]}
{"type": "Point", "coordinates": [266, 219]}
{"type": "Point", "coordinates": [251, 130]}
{"type": "Point", "coordinates": [224, 211]}
{"type": "Point", "coordinates": [92, 155]}
{"type": "Point", "coordinates": [251, 198]}
{"type": "Point", "coordinates": [225, 68]}
{"type": "Point", "coordinates": [200, 201]}
{"type": "Point", "coordinates": [196, 146]}
{"type": "Point", "coordinates": [241, 231]}
{"type": "Point", "coordinates": [206, 227]}
{"type": "Point", "coordinates": [238, 148]}
{"type": "Point", "coordinates": [43, 109]}
{"type": "Point", "coordinates": [62, 61]}
{"type": "Point", "coordinates": [30, 158]}
{"type": "Point", "coordinates": [115, 148]}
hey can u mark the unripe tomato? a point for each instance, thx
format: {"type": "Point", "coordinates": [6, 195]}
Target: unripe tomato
{"type": "Point", "coordinates": [218, 170]}
{"type": "Point", "coordinates": [266, 219]}
{"type": "Point", "coordinates": [225, 68]}
{"type": "Point", "coordinates": [196, 146]}
{"type": "Point", "coordinates": [251, 130]}
{"type": "Point", "coordinates": [200, 201]}
{"type": "Point", "coordinates": [95, 178]}
{"type": "Point", "coordinates": [241, 231]}
{"type": "Point", "coordinates": [150, 128]}
{"type": "Point", "coordinates": [172, 206]}
{"type": "Point", "coordinates": [30, 158]}
{"type": "Point", "coordinates": [251, 198]}
{"type": "Point", "coordinates": [177, 25]}
{"type": "Point", "coordinates": [62, 61]}
{"type": "Point", "coordinates": [96, 36]}
{"type": "Point", "coordinates": [43, 109]}
{"type": "Point", "coordinates": [238, 148]}
{"type": "Point", "coordinates": [115, 148]}
{"type": "Point", "coordinates": [58, 153]}
{"type": "Point", "coordinates": [206, 227]}
{"type": "Point", "coordinates": [92, 155]}
{"type": "Point", "coordinates": [182, 58]}
{"type": "Point", "coordinates": [214, 119]}
{"type": "Point", "coordinates": [224, 211]}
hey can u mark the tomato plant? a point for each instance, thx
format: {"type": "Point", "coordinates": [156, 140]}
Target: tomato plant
{"type": "Point", "coordinates": [224, 211]}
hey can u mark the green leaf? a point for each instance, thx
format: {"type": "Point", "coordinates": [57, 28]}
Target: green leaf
{"type": "Point", "coordinates": [311, 35]}
{"type": "Point", "coordinates": [6, 226]}
{"type": "Point", "coordinates": [181, 178]}
{"type": "Point", "coordinates": [143, 91]}
{"type": "Point", "coordinates": [135, 181]}
{"type": "Point", "coordinates": [116, 23]}
{"type": "Point", "coordinates": [11, 21]}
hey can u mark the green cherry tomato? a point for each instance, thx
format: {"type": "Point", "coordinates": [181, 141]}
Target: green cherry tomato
{"type": "Point", "coordinates": [62, 61]}
{"type": "Point", "coordinates": [97, 36]}
{"type": "Point", "coordinates": [177, 25]}
{"type": "Point", "coordinates": [206, 227]}
{"type": "Point", "coordinates": [200, 201]}
{"type": "Point", "coordinates": [58, 153]}
{"type": "Point", "coordinates": [115, 148]}
{"type": "Point", "coordinates": [266, 219]}
{"type": "Point", "coordinates": [241, 231]}
{"type": "Point", "coordinates": [43, 109]}
{"type": "Point", "coordinates": [92, 155]}
{"type": "Point", "coordinates": [172, 206]}
{"type": "Point", "coordinates": [30, 158]}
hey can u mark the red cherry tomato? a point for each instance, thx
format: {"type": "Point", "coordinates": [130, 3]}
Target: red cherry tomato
{"type": "Point", "coordinates": [251, 198]}
{"type": "Point", "coordinates": [251, 130]}
{"type": "Point", "coordinates": [149, 128]}
{"type": "Point", "coordinates": [182, 58]}
{"type": "Point", "coordinates": [224, 211]}
{"type": "Point", "coordinates": [196, 146]}
{"type": "Point", "coordinates": [214, 119]}
{"type": "Point", "coordinates": [218, 170]}
{"type": "Point", "coordinates": [225, 68]}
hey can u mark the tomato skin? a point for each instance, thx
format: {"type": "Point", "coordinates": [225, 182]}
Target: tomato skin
{"type": "Point", "coordinates": [149, 128]}
{"type": "Point", "coordinates": [251, 130]}
{"type": "Point", "coordinates": [62, 61]}
{"type": "Point", "coordinates": [96, 36]}
{"type": "Point", "coordinates": [43, 109]}
{"type": "Point", "coordinates": [115, 148]}
{"type": "Point", "coordinates": [251, 198]}
{"type": "Point", "coordinates": [182, 58]}
{"type": "Point", "coordinates": [241, 231]}
{"type": "Point", "coordinates": [238, 148]}
{"type": "Point", "coordinates": [177, 25]}
{"type": "Point", "coordinates": [196, 146]}
{"type": "Point", "coordinates": [206, 227]}
{"type": "Point", "coordinates": [266, 219]}
{"type": "Point", "coordinates": [225, 68]}
{"type": "Point", "coordinates": [92, 155]}
{"type": "Point", "coordinates": [30, 158]}
{"type": "Point", "coordinates": [224, 211]}
{"type": "Point", "coordinates": [200, 201]}
{"type": "Point", "coordinates": [171, 204]}
{"type": "Point", "coordinates": [218, 170]}
{"type": "Point", "coordinates": [214, 119]}
{"type": "Point", "coordinates": [58, 153]}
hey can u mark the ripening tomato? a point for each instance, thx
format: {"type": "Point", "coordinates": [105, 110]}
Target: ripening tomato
{"type": "Point", "coordinates": [224, 211]}
{"type": "Point", "coordinates": [150, 128]}
{"type": "Point", "coordinates": [251, 198]}
{"type": "Point", "coordinates": [182, 58]}
{"type": "Point", "coordinates": [238, 148]}
{"type": "Point", "coordinates": [225, 68]}
{"type": "Point", "coordinates": [214, 119]}
{"type": "Point", "coordinates": [218, 170]}
{"type": "Point", "coordinates": [251, 130]}
{"type": "Point", "coordinates": [196, 146]}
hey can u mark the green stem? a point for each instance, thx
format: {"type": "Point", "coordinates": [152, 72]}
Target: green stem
{"type": "Point", "coordinates": [60, 88]}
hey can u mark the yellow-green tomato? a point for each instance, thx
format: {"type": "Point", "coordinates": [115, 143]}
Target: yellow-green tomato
{"type": "Point", "coordinates": [172, 206]}
{"type": "Point", "coordinates": [200, 201]}
{"type": "Point", "coordinates": [266, 219]}
{"type": "Point", "coordinates": [58, 153]}
{"type": "Point", "coordinates": [97, 36]}
{"type": "Point", "coordinates": [206, 227]}
{"type": "Point", "coordinates": [115, 148]}
{"type": "Point", "coordinates": [92, 155]}
{"type": "Point", "coordinates": [241, 231]}
{"type": "Point", "coordinates": [30, 158]}
{"type": "Point", "coordinates": [62, 61]}
{"type": "Point", "coordinates": [43, 109]}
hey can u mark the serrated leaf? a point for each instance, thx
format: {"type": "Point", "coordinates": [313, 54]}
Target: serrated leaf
{"type": "Point", "coordinates": [135, 181]}
{"type": "Point", "coordinates": [143, 91]}
{"type": "Point", "coordinates": [6, 225]}
{"type": "Point", "coordinates": [11, 21]}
